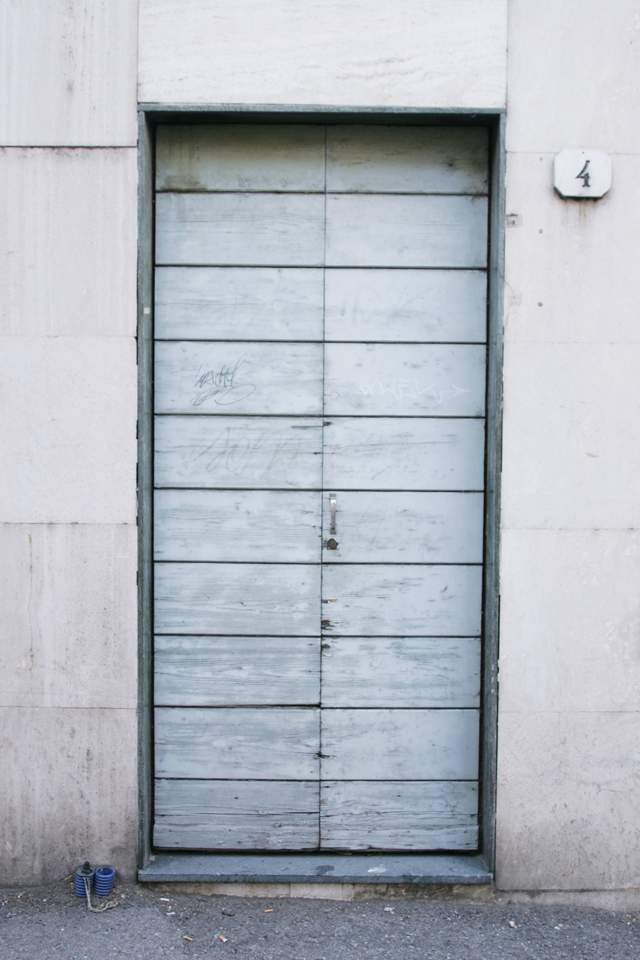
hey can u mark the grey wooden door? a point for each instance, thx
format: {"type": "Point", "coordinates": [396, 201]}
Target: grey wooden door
{"type": "Point", "coordinates": [319, 458]}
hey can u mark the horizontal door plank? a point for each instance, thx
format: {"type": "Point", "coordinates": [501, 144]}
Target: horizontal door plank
{"type": "Point", "coordinates": [236, 671]}
{"type": "Point", "coordinates": [240, 378]}
{"type": "Point", "coordinates": [373, 159]}
{"type": "Point", "coordinates": [391, 527]}
{"type": "Point", "coordinates": [405, 815]}
{"type": "Point", "coordinates": [402, 601]}
{"type": "Point", "coordinates": [238, 156]}
{"type": "Point", "coordinates": [401, 672]}
{"type": "Point", "coordinates": [387, 379]}
{"type": "Point", "coordinates": [387, 231]}
{"type": "Point", "coordinates": [410, 305]}
{"type": "Point", "coordinates": [243, 598]}
{"type": "Point", "coordinates": [238, 452]}
{"type": "Point", "coordinates": [403, 454]}
{"type": "Point", "coordinates": [244, 743]}
{"type": "Point", "coordinates": [238, 303]}
{"type": "Point", "coordinates": [399, 744]}
{"type": "Point", "coordinates": [237, 525]}
{"type": "Point", "coordinates": [236, 815]}
{"type": "Point", "coordinates": [255, 229]}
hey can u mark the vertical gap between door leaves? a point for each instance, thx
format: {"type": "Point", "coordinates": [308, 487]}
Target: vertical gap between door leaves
{"type": "Point", "coordinates": [322, 494]}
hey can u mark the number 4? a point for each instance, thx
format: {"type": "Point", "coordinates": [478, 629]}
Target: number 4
{"type": "Point", "coordinates": [584, 174]}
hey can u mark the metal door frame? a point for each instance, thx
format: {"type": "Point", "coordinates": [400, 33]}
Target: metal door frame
{"type": "Point", "coordinates": [149, 116]}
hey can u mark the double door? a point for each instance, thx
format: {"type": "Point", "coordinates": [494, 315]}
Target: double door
{"type": "Point", "coordinates": [319, 457]}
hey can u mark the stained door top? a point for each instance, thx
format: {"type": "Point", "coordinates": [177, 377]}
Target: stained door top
{"type": "Point", "coordinates": [301, 158]}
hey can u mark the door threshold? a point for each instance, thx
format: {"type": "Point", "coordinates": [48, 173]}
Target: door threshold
{"type": "Point", "coordinates": [314, 868]}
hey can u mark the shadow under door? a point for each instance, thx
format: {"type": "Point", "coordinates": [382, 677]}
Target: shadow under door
{"type": "Point", "coordinates": [320, 323]}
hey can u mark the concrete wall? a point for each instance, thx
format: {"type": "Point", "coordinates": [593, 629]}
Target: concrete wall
{"type": "Point", "coordinates": [568, 773]}
{"type": "Point", "coordinates": [67, 434]}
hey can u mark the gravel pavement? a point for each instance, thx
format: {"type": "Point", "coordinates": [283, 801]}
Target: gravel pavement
{"type": "Point", "coordinates": [50, 923]}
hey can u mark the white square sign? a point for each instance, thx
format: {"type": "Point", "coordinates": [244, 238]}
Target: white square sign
{"type": "Point", "coordinates": [582, 173]}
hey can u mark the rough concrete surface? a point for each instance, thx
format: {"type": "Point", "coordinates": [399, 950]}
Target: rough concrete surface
{"type": "Point", "coordinates": [50, 922]}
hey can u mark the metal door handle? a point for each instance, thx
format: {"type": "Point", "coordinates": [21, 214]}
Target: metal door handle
{"type": "Point", "coordinates": [332, 501]}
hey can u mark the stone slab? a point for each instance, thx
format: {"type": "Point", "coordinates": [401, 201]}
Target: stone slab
{"type": "Point", "coordinates": [69, 73]}
{"type": "Point", "coordinates": [315, 868]}
{"type": "Point", "coordinates": [573, 76]}
{"type": "Point", "coordinates": [567, 816]}
{"type": "Point", "coordinates": [68, 248]}
{"type": "Point", "coordinates": [362, 52]}
{"type": "Point", "coordinates": [68, 432]}
{"type": "Point", "coordinates": [570, 452]}
{"type": "Point", "coordinates": [570, 619]}
{"type": "Point", "coordinates": [570, 265]}
{"type": "Point", "coordinates": [69, 609]}
{"type": "Point", "coordinates": [70, 778]}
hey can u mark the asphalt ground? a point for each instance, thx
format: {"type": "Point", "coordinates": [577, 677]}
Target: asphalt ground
{"type": "Point", "coordinates": [51, 923]}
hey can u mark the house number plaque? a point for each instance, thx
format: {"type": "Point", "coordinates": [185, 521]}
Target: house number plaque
{"type": "Point", "coordinates": [585, 174]}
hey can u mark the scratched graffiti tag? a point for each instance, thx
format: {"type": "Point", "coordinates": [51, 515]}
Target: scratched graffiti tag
{"type": "Point", "coordinates": [234, 454]}
{"type": "Point", "coordinates": [411, 390]}
{"type": "Point", "coordinates": [222, 386]}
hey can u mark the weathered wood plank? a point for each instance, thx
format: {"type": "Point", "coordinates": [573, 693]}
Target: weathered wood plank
{"type": "Point", "coordinates": [387, 231]}
{"type": "Point", "coordinates": [399, 744]}
{"type": "Point", "coordinates": [240, 303]}
{"type": "Point", "coordinates": [245, 743]}
{"type": "Point", "coordinates": [401, 815]}
{"type": "Point", "coordinates": [240, 156]}
{"type": "Point", "coordinates": [237, 525]}
{"type": "Point", "coordinates": [373, 159]}
{"type": "Point", "coordinates": [376, 600]}
{"type": "Point", "coordinates": [240, 378]}
{"type": "Point", "coordinates": [401, 672]}
{"type": "Point", "coordinates": [236, 671]}
{"type": "Point", "coordinates": [376, 379]}
{"type": "Point", "coordinates": [391, 454]}
{"type": "Point", "coordinates": [237, 452]}
{"type": "Point", "coordinates": [410, 305]}
{"type": "Point", "coordinates": [256, 229]}
{"type": "Point", "coordinates": [244, 598]}
{"type": "Point", "coordinates": [236, 814]}
{"type": "Point", "coordinates": [411, 527]}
